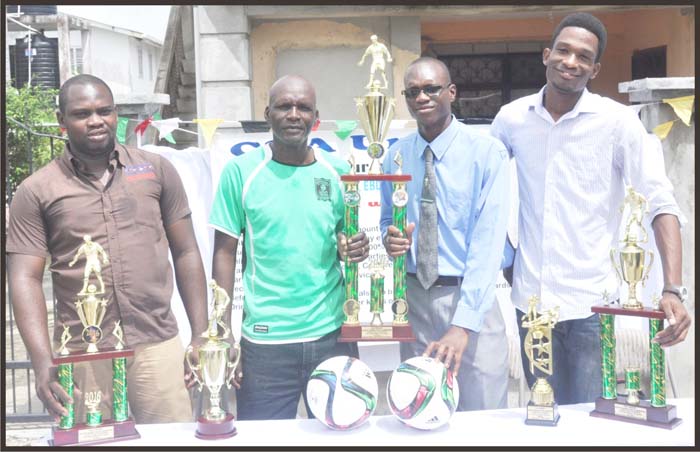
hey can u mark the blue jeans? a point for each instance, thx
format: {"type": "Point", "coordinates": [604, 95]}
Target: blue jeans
{"type": "Point", "coordinates": [577, 374]}
{"type": "Point", "coordinates": [275, 375]}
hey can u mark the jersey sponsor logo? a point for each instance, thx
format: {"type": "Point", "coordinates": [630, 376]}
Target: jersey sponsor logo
{"type": "Point", "coordinates": [260, 328]}
{"type": "Point", "coordinates": [137, 172]}
{"type": "Point", "coordinates": [323, 189]}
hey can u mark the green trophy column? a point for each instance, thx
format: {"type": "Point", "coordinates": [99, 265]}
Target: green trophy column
{"type": "Point", "coordinates": [607, 349]}
{"type": "Point", "coordinates": [352, 226]}
{"type": "Point", "coordinates": [65, 378]}
{"type": "Point", "coordinates": [657, 365]}
{"type": "Point", "coordinates": [399, 220]}
{"type": "Point", "coordinates": [120, 406]}
{"type": "Point", "coordinates": [376, 299]}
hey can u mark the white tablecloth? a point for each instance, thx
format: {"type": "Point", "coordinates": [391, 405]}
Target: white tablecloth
{"type": "Point", "coordinates": [469, 429]}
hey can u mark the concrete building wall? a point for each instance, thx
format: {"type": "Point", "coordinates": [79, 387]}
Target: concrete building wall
{"type": "Point", "coordinates": [327, 52]}
{"type": "Point", "coordinates": [673, 27]}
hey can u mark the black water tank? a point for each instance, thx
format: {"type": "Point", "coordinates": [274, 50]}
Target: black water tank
{"type": "Point", "coordinates": [32, 10]}
{"type": "Point", "coordinates": [45, 70]}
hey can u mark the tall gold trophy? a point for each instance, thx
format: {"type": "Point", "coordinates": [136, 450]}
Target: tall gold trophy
{"type": "Point", "coordinates": [632, 270]}
{"type": "Point", "coordinates": [375, 110]}
{"type": "Point", "coordinates": [214, 370]}
{"type": "Point", "coordinates": [91, 307]}
{"type": "Point", "coordinates": [542, 408]}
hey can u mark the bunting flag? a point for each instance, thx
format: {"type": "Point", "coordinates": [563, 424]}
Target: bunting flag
{"type": "Point", "coordinates": [209, 127]}
{"type": "Point", "coordinates": [316, 125]}
{"type": "Point", "coordinates": [121, 129]}
{"type": "Point", "coordinates": [165, 127]}
{"type": "Point", "coordinates": [662, 130]}
{"type": "Point", "coordinates": [345, 128]}
{"type": "Point", "coordinates": [683, 106]}
{"type": "Point", "coordinates": [143, 125]}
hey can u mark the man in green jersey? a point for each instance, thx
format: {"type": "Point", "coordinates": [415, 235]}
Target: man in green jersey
{"type": "Point", "coordinates": [287, 200]}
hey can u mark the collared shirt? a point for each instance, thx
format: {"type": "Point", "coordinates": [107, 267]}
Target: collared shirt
{"type": "Point", "coordinates": [572, 175]}
{"type": "Point", "coordinates": [59, 204]}
{"type": "Point", "coordinates": [472, 177]}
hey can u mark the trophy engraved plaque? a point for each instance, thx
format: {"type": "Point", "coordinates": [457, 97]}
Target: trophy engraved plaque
{"type": "Point", "coordinates": [542, 409]}
{"type": "Point", "coordinates": [630, 408]}
{"type": "Point", "coordinates": [214, 369]}
{"type": "Point", "coordinates": [375, 110]}
{"type": "Point", "coordinates": [91, 308]}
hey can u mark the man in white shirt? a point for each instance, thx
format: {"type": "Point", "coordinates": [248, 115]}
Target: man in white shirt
{"type": "Point", "coordinates": [575, 152]}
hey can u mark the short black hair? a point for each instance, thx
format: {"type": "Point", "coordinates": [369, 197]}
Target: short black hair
{"type": "Point", "coordinates": [428, 59]}
{"type": "Point", "coordinates": [80, 79]}
{"type": "Point", "coordinates": [590, 23]}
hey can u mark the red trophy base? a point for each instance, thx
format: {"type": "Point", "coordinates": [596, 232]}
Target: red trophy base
{"type": "Point", "coordinates": [646, 312]}
{"type": "Point", "coordinates": [82, 434]}
{"type": "Point", "coordinates": [369, 333]}
{"type": "Point", "coordinates": [642, 413]}
{"type": "Point", "coordinates": [207, 429]}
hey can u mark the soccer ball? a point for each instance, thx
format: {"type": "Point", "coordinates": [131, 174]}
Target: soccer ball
{"type": "Point", "coordinates": [422, 393]}
{"type": "Point", "coordinates": [342, 392]}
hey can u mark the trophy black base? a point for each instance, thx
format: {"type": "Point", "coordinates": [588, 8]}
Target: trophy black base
{"type": "Point", "coordinates": [208, 429]}
{"type": "Point", "coordinates": [369, 333]}
{"type": "Point", "coordinates": [83, 435]}
{"type": "Point", "coordinates": [642, 413]}
{"type": "Point", "coordinates": [542, 415]}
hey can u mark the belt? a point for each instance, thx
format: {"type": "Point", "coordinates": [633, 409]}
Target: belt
{"type": "Point", "coordinates": [443, 280]}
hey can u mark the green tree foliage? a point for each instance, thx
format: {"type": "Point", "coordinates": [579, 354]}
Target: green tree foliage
{"type": "Point", "coordinates": [27, 152]}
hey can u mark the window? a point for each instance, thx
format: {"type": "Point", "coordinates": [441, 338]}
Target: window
{"type": "Point", "coordinates": [76, 60]}
{"type": "Point", "coordinates": [649, 63]}
{"type": "Point", "coordinates": [150, 66]}
{"type": "Point", "coordinates": [486, 82]}
{"type": "Point", "coordinates": [140, 57]}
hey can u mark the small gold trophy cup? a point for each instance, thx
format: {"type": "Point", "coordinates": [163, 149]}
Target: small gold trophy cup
{"type": "Point", "coordinates": [542, 408]}
{"type": "Point", "coordinates": [375, 110]}
{"type": "Point", "coordinates": [91, 307]}
{"type": "Point", "coordinates": [215, 370]}
{"type": "Point", "coordinates": [631, 256]}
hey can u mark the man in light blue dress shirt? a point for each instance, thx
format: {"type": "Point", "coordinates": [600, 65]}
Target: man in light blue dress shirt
{"type": "Point", "coordinates": [455, 319]}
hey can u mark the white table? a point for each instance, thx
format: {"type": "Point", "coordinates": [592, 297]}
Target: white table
{"type": "Point", "coordinates": [469, 429]}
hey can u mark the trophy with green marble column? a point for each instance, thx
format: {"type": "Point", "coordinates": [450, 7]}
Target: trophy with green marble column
{"type": "Point", "coordinates": [90, 309]}
{"type": "Point", "coordinates": [375, 110]}
{"type": "Point", "coordinates": [611, 405]}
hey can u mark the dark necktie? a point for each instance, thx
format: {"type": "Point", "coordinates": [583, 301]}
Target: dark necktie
{"type": "Point", "coordinates": [427, 250]}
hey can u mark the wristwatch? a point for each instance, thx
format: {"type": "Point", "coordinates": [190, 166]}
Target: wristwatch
{"type": "Point", "coordinates": [680, 291]}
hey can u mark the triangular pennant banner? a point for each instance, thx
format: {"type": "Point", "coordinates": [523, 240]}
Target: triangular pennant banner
{"type": "Point", "coordinates": [121, 129]}
{"type": "Point", "coordinates": [662, 130]}
{"type": "Point", "coordinates": [316, 125]}
{"type": "Point", "coordinates": [209, 127]}
{"type": "Point", "coordinates": [683, 106]}
{"type": "Point", "coordinates": [141, 128]}
{"type": "Point", "coordinates": [345, 128]}
{"type": "Point", "coordinates": [165, 127]}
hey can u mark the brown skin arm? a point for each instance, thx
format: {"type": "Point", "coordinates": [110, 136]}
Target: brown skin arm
{"type": "Point", "coordinates": [25, 274]}
{"type": "Point", "coordinates": [190, 280]}
{"type": "Point", "coordinates": [223, 271]}
{"type": "Point", "coordinates": [668, 240]}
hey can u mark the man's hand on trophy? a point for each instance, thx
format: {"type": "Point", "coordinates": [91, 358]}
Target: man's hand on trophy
{"type": "Point", "coordinates": [193, 353]}
{"type": "Point", "coordinates": [396, 243]}
{"type": "Point", "coordinates": [356, 248]}
{"type": "Point", "coordinates": [449, 348]}
{"type": "Point", "coordinates": [51, 393]}
{"type": "Point", "coordinates": [678, 321]}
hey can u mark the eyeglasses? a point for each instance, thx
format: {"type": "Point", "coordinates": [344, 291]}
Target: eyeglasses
{"type": "Point", "coordinates": [430, 91]}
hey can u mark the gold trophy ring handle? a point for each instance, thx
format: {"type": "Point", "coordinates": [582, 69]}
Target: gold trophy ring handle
{"type": "Point", "coordinates": [618, 271]}
{"type": "Point", "coordinates": [194, 369]}
{"type": "Point", "coordinates": [233, 365]}
{"type": "Point", "coordinates": [651, 261]}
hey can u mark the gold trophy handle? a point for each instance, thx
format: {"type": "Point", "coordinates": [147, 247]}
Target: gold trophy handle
{"type": "Point", "coordinates": [233, 365]}
{"type": "Point", "coordinates": [618, 271]}
{"type": "Point", "coordinates": [194, 369]}
{"type": "Point", "coordinates": [646, 274]}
